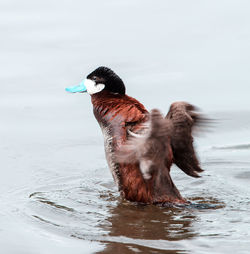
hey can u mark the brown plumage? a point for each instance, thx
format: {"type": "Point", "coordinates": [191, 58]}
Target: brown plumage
{"type": "Point", "coordinates": [163, 142]}
{"type": "Point", "coordinates": [149, 148]}
{"type": "Point", "coordinates": [141, 165]}
{"type": "Point", "coordinates": [183, 119]}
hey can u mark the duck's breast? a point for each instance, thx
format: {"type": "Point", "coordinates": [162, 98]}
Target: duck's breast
{"type": "Point", "coordinates": [110, 149]}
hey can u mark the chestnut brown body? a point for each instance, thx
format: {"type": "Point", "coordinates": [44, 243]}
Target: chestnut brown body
{"type": "Point", "coordinates": [141, 165]}
{"type": "Point", "coordinates": [116, 114]}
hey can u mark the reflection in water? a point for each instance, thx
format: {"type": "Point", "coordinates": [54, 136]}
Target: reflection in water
{"type": "Point", "coordinates": [142, 221]}
{"type": "Point", "coordinates": [123, 226]}
{"type": "Point", "coordinates": [136, 227]}
{"type": "Point", "coordinates": [92, 209]}
{"type": "Point", "coordinates": [96, 212]}
{"type": "Point", "coordinates": [152, 229]}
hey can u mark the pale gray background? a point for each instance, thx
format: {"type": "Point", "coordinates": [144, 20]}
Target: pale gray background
{"type": "Point", "coordinates": [197, 51]}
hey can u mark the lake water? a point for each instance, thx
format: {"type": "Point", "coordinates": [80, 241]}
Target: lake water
{"type": "Point", "coordinates": [57, 194]}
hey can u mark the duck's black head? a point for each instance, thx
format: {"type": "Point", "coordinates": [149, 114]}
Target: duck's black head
{"type": "Point", "coordinates": [100, 79]}
{"type": "Point", "coordinates": [111, 81]}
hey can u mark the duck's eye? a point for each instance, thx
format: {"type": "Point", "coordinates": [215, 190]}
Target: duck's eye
{"type": "Point", "coordinates": [94, 78]}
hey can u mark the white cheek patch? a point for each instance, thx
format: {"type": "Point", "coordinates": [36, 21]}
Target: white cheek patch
{"type": "Point", "coordinates": [92, 87]}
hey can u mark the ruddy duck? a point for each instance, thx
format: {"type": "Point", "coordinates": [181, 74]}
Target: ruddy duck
{"type": "Point", "coordinates": [140, 147]}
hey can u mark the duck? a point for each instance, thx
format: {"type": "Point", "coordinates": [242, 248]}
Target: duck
{"type": "Point", "coordinates": [141, 146]}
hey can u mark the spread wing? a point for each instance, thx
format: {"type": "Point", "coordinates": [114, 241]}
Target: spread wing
{"type": "Point", "coordinates": [148, 149]}
{"type": "Point", "coordinates": [184, 118]}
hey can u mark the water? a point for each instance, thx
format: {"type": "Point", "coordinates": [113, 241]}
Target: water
{"type": "Point", "coordinates": [57, 194]}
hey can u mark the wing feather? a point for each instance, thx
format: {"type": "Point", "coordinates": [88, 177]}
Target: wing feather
{"type": "Point", "coordinates": [184, 117]}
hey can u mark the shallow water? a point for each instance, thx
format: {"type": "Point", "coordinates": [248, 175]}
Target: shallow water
{"type": "Point", "coordinates": [57, 194]}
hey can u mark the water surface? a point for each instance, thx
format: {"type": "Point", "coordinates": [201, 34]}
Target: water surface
{"type": "Point", "coordinates": [57, 194]}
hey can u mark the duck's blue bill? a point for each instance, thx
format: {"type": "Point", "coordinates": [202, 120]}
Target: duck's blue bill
{"type": "Point", "coordinates": [76, 89]}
